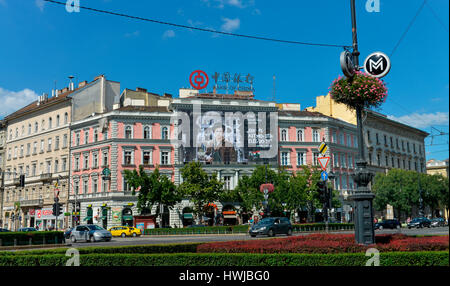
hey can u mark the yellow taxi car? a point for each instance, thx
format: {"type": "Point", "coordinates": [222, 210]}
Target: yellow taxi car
{"type": "Point", "coordinates": [124, 231]}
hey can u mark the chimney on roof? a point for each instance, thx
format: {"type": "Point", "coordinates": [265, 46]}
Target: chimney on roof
{"type": "Point", "coordinates": [71, 82]}
{"type": "Point", "coordinates": [83, 83]}
{"type": "Point", "coordinates": [141, 89]}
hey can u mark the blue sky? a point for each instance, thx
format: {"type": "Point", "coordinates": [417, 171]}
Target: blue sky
{"type": "Point", "coordinates": [43, 43]}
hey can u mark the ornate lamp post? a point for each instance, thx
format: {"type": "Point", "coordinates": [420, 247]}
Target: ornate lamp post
{"type": "Point", "coordinates": [360, 91]}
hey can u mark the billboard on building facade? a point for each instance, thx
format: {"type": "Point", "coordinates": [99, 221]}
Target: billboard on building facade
{"type": "Point", "coordinates": [221, 137]}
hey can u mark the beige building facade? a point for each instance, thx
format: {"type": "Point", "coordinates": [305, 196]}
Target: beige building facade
{"type": "Point", "coordinates": [37, 146]}
{"type": "Point", "coordinates": [388, 144]}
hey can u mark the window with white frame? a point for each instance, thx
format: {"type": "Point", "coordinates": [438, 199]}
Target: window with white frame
{"type": "Point", "coordinates": [300, 135]}
{"type": "Point", "coordinates": [301, 158]}
{"type": "Point", "coordinates": [147, 157]}
{"type": "Point", "coordinates": [76, 187]}
{"type": "Point", "coordinates": [49, 167]}
{"type": "Point", "coordinates": [28, 148]}
{"type": "Point", "coordinates": [63, 166]}
{"type": "Point", "coordinates": [94, 160]}
{"type": "Point", "coordinates": [86, 136]}
{"type": "Point", "coordinates": [56, 142]}
{"type": "Point", "coordinates": [165, 133]}
{"type": "Point", "coordinates": [29, 129]}
{"type": "Point", "coordinates": [127, 157]}
{"type": "Point", "coordinates": [165, 159]}
{"type": "Point", "coordinates": [57, 120]}
{"type": "Point", "coordinates": [56, 166]}
{"type": "Point", "coordinates": [95, 134]}
{"type": "Point", "coordinates": [227, 182]}
{"type": "Point", "coordinates": [349, 140]}
{"type": "Point", "coordinates": [128, 132]}
{"type": "Point", "coordinates": [49, 144]}
{"type": "Point", "coordinates": [315, 158]}
{"type": "Point", "coordinates": [94, 185]}
{"type": "Point", "coordinates": [284, 135]}
{"type": "Point", "coordinates": [316, 135]}
{"type": "Point", "coordinates": [66, 118]}
{"type": "Point", "coordinates": [77, 139]}
{"type": "Point", "coordinates": [105, 159]}
{"type": "Point", "coordinates": [36, 127]}
{"type": "Point", "coordinates": [105, 185]}
{"type": "Point", "coordinates": [65, 141]}
{"type": "Point", "coordinates": [86, 161]}
{"type": "Point", "coordinates": [42, 145]}
{"type": "Point", "coordinates": [147, 132]}
{"type": "Point", "coordinates": [343, 161]}
{"type": "Point", "coordinates": [77, 163]}
{"type": "Point", "coordinates": [85, 186]}
{"type": "Point", "coordinates": [284, 158]}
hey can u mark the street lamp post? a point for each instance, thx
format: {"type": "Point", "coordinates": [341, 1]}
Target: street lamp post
{"type": "Point", "coordinates": [362, 197]}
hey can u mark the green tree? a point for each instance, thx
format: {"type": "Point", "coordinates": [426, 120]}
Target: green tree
{"type": "Point", "coordinates": [154, 189]}
{"type": "Point", "coordinates": [198, 187]}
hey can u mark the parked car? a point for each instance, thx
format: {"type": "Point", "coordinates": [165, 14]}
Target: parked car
{"type": "Point", "coordinates": [4, 230]}
{"type": "Point", "coordinates": [67, 233]}
{"type": "Point", "coordinates": [419, 222]}
{"type": "Point", "coordinates": [388, 223]}
{"type": "Point", "coordinates": [124, 231]}
{"type": "Point", "coordinates": [436, 222]}
{"type": "Point", "coordinates": [196, 225]}
{"type": "Point", "coordinates": [27, 229]}
{"type": "Point", "coordinates": [271, 226]}
{"type": "Point", "coordinates": [90, 232]}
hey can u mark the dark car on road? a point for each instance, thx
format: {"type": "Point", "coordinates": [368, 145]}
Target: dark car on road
{"type": "Point", "coordinates": [27, 229]}
{"type": "Point", "coordinates": [389, 223]}
{"type": "Point", "coordinates": [4, 230]}
{"type": "Point", "coordinates": [67, 233]}
{"type": "Point", "coordinates": [437, 222]}
{"type": "Point", "coordinates": [271, 226]}
{"type": "Point", "coordinates": [419, 222]}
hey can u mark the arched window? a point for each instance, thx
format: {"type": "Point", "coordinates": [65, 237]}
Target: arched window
{"type": "Point", "coordinates": [17, 132]}
{"type": "Point", "coordinates": [147, 132]}
{"type": "Point", "coordinates": [36, 127]}
{"type": "Point", "coordinates": [29, 129]}
{"type": "Point", "coordinates": [164, 133]}
{"type": "Point", "coordinates": [299, 135]}
{"type": "Point", "coordinates": [66, 118]}
{"type": "Point", "coordinates": [316, 135]}
{"type": "Point", "coordinates": [57, 120]}
{"type": "Point", "coordinates": [128, 132]}
{"type": "Point", "coordinates": [284, 135]}
{"type": "Point", "coordinates": [50, 121]}
{"type": "Point", "coordinates": [43, 124]}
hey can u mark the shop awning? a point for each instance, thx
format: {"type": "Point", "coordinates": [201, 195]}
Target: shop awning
{"type": "Point", "coordinates": [188, 216]}
{"type": "Point", "coordinates": [127, 217]}
{"type": "Point", "coordinates": [229, 216]}
{"type": "Point", "coordinates": [88, 217]}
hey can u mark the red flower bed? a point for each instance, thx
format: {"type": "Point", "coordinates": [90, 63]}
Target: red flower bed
{"type": "Point", "coordinates": [327, 243]}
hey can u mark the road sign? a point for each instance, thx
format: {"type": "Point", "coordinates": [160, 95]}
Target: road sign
{"type": "Point", "coordinates": [323, 148]}
{"type": "Point", "coordinates": [347, 66]}
{"type": "Point", "coordinates": [377, 64]}
{"type": "Point", "coordinates": [323, 161]}
{"type": "Point", "coordinates": [324, 175]}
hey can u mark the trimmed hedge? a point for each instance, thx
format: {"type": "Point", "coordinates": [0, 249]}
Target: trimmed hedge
{"type": "Point", "coordinates": [198, 230]}
{"type": "Point", "coordinates": [129, 249]}
{"type": "Point", "coordinates": [33, 238]}
{"type": "Point", "coordinates": [243, 229]}
{"type": "Point", "coordinates": [321, 226]}
{"type": "Point", "coordinates": [438, 258]}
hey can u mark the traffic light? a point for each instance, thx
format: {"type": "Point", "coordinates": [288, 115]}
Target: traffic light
{"type": "Point", "coordinates": [60, 208]}
{"type": "Point", "coordinates": [321, 190]}
{"type": "Point", "coordinates": [55, 209]}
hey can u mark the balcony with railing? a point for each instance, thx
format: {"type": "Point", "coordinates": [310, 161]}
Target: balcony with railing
{"type": "Point", "coordinates": [46, 177]}
{"type": "Point", "coordinates": [31, 203]}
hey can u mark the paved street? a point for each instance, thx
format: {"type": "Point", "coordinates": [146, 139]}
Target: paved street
{"type": "Point", "coordinates": [118, 241]}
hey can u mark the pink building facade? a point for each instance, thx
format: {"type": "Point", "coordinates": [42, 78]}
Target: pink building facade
{"type": "Point", "coordinates": [103, 147]}
{"type": "Point", "coordinates": [301, 133]}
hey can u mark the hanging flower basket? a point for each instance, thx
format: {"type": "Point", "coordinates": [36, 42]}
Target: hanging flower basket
{"type": "Point", "coordinates": [363, 90]}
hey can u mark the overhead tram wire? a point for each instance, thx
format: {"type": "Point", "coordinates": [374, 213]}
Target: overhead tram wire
{"type": "Point", "coordinates": [201, 29]}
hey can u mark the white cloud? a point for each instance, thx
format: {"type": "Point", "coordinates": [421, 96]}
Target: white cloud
{"type": "Point", "coordinates": [220, 4]}
{"type": "Point", "coordinates": [423, 120]}
{"type": "Point", "coordinates": [169, 34]}
{"type": "Point", "coordinates": [14, 100]}
{"type": "Point", "coordinates": [133, 34]}
{"type": "Point", "coordinates": [40, 4]}
{"type": "Point", "coordinates": [230, 25]}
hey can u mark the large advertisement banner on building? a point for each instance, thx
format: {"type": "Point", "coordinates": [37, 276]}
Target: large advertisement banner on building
{"type": "Point", "coordinates": [214, 136]}
{"type": "Point", "coordinates": [116, 213]}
